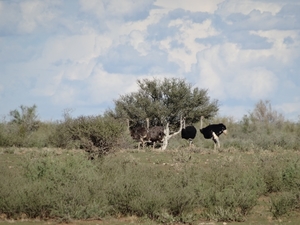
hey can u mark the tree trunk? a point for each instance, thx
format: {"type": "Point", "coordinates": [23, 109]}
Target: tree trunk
{"type": "Point", "coordinates": [168, 136]}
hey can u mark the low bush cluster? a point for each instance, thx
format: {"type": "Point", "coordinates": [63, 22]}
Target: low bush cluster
{"type": "Point", "coordinates": [282, 179]}
{"type": "Point", "coordinates": [225, 189]}
{"type": "Point", "coordinates": [97, 135]}
{"type": "Point", "coordinates": [263, 129]}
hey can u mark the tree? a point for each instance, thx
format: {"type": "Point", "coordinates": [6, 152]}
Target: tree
{"type": "Point", "coordinates": [26, 119]}
{"type": "Point", "coordinates": [165, 101]}
{"type": "Point", "coordinates": [263, 112]}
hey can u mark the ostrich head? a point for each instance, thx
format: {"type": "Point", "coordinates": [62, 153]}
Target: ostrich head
{"type": "Point", "coordinates": [223, 127]}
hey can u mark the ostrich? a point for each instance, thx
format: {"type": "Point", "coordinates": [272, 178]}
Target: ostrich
{"type": "Point", "coordinates": [188, 133]}
{"type": "Point", "coordinates": [155, 134]}
{"type": "Point", "coordinates": [213, 131]}
{"type": "Point", "coordinates": [139, 133]}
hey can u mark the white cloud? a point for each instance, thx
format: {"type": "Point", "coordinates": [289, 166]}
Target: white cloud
{"type": "Point", "coordinates": [114, 9]}
{"type": "Point", "coordinates": [191, 5]}
{"type": "Point", "coordinates": [74, 48]}
{"type": "Point", "coordinates": [245, 7]}
{"type": "Point", "coordinates": [47, 85]}
{"type": "Point", "coordinates": [86, 53]}
{"type": "Point", "coordinates": [94, 6]}
{"type": "Point", "coordinates": [290, 110]}
{"type": "Point", "coordinates": [103, 86]}
{"type": "Point", "coordinates": [235, 112]}
{"type": "Point", "coordinates": [137, 40]}
{"type": "Point", "coordinates": [25, 17]}
{"type": "Point", "coordinates": [255, 84]}
{"type": "Point", "coordinates": [292, 107]}
{"type": "Point", "coordinates": [184, 54]}
{"type": "Point", "coordinates": [283, 52]}
{"type": "Point", "coordinates": [65, 96]}
{"type": "Point", "coordinates": [35, 13]}
{"type": "Point", "coordinates": [228, 73]}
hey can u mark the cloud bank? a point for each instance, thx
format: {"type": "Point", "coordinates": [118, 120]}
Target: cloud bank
{"type": "Point", "coordinates": [84, 54]}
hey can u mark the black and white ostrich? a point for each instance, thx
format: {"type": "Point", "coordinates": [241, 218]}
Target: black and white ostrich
{"type": "Point", "coordinates": [139, 134]}
{"type": "Point", "coordinates": [188, 133]}
{"type": "Point", "coordinates": [213, 131]}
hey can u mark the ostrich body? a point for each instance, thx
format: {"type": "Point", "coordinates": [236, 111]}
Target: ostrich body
{"type": "Point", "coordinates": [213, 131]}
{"type": "Point", "coordinates": [139, 134]}
{"type": "Point", "coordinates": [155, 134]}
{"type": "Point", "coordinates": [188, 133]}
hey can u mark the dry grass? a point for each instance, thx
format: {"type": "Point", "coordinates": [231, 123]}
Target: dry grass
{"type": "Point", "coordinates": [182, 161]}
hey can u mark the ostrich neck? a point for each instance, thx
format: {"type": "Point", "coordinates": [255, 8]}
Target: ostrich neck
{"type": "Point", "coordinates": [201, 123]}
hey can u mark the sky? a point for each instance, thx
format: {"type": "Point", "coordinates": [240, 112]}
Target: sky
{"type": "Point", "coordinates": [81, 55]}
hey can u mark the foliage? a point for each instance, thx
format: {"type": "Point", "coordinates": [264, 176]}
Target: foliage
{"type": "Point", "coordinates": [234, 187]}
{"type": "Point", "coordinates": [24, 129]}
{"type": "Point", "coordinates": [26, 119]}
{"type": "Point", "coordinates": [263, 112]}
{"type": "Point", "coordinates": [284, 203]}
{"type": "Point", "coordinates": [50, 185]}
{"type": "Point", "coordinates": [165, 100]}
{"type": "Point", "coordinates": [97, 135]}
{"type": "Point", "coordinates": [226, 188]}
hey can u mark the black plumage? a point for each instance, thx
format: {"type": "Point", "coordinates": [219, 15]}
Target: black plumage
{"type": "Point", "coordinates": [188, 133]}
{"type": "Point", "coordinates": [208, 131]}
{"type": "Point", "coordinates": [213, 131]}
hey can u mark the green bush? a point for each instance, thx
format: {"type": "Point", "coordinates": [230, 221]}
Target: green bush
{"type": "Point", "coordinates": [225, 188]}
{"type": "Point", "coordinates": [97, 135]}
{"type": "Point", "coordinates": [229, 189]}
{"type": "Point", "coordinates": [280, 172]}
{"type": "Point", "coordinates": [135, 189]}
{"type": "Point", "coordinates": [54, 186]}
{"type": "Point", "coordinates": [10, 135]}
{"type": "Point", "coordinates": [283, 203]}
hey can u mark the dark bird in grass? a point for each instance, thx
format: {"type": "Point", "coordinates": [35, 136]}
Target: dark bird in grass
{"type": "Point", "coordinates": [139, 133]}
{"type": "Point", "coordinates": [213, 131]}
{"type": "Point", "coordinates": [188, 133]}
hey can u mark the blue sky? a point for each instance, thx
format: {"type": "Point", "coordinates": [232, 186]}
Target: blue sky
{"type": "Point", "coordinates": [80, 55]}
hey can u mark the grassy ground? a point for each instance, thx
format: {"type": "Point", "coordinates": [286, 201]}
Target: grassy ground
{"type": "Point", "coordinates": [11, 160]}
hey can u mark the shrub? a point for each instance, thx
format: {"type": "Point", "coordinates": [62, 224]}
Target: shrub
{"type": "Point", "coordinates": [225, 188]}
{"type": "Point", "coordinates": [280, 172]}
{"type": "Point", "coordinates": [229, 189]}
{"type": "Point", "coordinates": [97, 135]}
{"type": "Point", "coordinates": [283, 203]}
{"type": "Point", "coordinates": [135, 189]}
{"type": "Point", "coordinates": [54, 186]}
{"type": "Point", "coordinates": [10, 135]}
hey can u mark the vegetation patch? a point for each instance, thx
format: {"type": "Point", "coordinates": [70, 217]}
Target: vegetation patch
{"type": "Point", "coordinates": [89, 167]}
{"type": "Point", "coordinates": [208, 187]}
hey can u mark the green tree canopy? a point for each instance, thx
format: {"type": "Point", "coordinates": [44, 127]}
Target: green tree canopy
{"type": "Point", "coordinates": [27, 118]}
{"type": "Point", "coordinates": [165, 100]}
